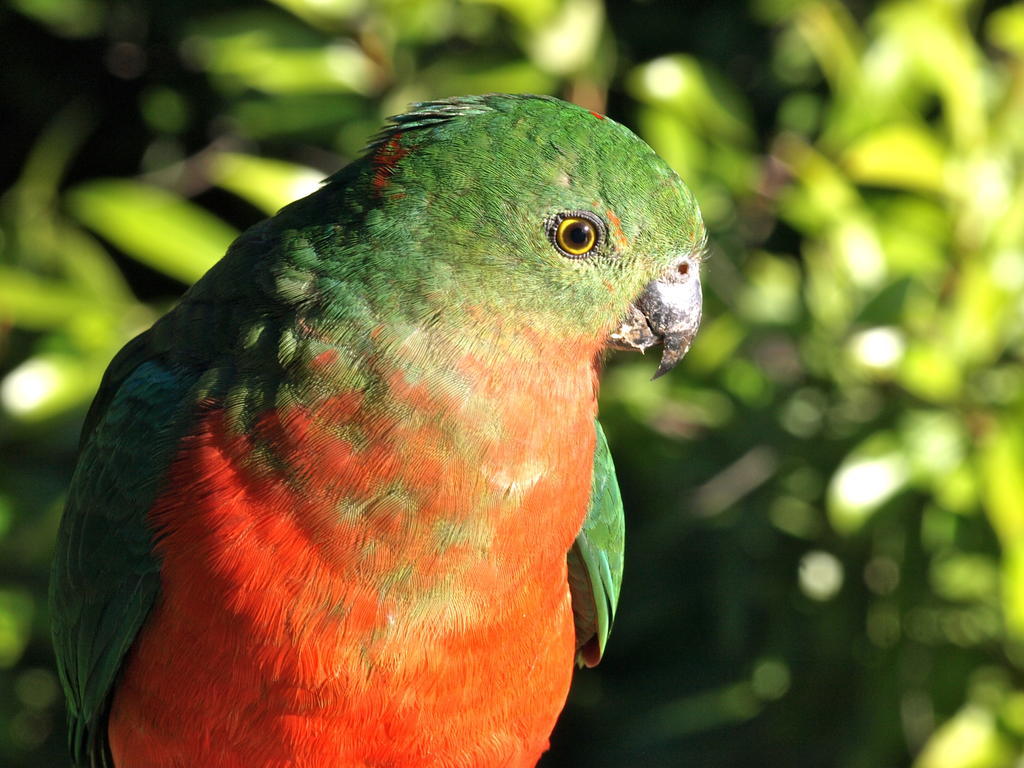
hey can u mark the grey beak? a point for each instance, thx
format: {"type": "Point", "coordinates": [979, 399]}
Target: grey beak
{"type": "Point", "coordinates": [666, 312]}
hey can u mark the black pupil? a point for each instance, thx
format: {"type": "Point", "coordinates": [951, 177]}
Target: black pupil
{"type": "Point", "coordinates": [579, 234]}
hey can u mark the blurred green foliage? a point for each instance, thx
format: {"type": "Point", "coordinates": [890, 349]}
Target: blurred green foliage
{"type": "Point", "coordinates": [826, 501]}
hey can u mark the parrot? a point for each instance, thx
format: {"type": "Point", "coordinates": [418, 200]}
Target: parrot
{"type": "Point", "coordinates": [348, 502]}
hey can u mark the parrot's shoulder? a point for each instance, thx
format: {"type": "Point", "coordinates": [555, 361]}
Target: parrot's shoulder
{"type": "Point", "coordinates": [596, 558]}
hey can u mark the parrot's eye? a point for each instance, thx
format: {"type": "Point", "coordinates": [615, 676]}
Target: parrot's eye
{"type": "Point", "coordinates": [576, 234]}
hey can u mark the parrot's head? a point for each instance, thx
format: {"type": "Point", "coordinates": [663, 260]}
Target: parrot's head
{"type": "Point", "coordinates": [526, 211]}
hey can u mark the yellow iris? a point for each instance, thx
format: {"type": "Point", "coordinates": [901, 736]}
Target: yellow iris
{"type": "Point", "coordinates": [576, 236]}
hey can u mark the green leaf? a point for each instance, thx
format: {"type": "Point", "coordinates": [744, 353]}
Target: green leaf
{"type": "Point", "coordinates": [903, 155]}
{"type": "Point", "coordinates": [529, 13]}
{"type": "Point", "coordinates": [254, 51]}
{"type": "Point", "coordinates": [832, 35]}
{"type": "Point", "coordinates": [1003, 471]}
{"type": "Point", "coordinates": [455, 76]}
{"type": "Point", "coordinates": [771, 293]}
{"type": "Point", "coordinates": [868, 477]}
{"type": "Point", "coordinates": [33, 302]}
{"type": "Point", "coordinates": [929, 371]}
{"type": "Point", "coordinates": [70, 18]}
{"type": "Point", "coordinates": [158, 228]}
{"type": "Point", "coordinates": [49, 384]}
{"type": "Point", "coordinates": [695, 94]}
{"type": "Point", "coordinates": [1005, 28]}
{"type": "Point", "coordinates": [566, 43]}
{"type": "Point", "coordinates": [268, 184]}
{"type": "Point", "coordinates": [16, 609]}
{"type": "Point", "coordinates": [970, 739]}
{"type": "Point", "coordinates": [320, 14]}
{"type": "Point", "coordinates": [974, 326]}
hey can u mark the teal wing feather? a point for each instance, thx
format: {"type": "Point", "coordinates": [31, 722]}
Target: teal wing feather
{"type": "Point", "coordinates": [595, 560]}
{"type": "Point", "coordinates": [105, 575]}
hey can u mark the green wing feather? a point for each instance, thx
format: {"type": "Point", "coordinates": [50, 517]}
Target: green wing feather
{"type": "Point", "coordinates": [105, 576]}
{"type": "Point", "coordinates": [595, 560]}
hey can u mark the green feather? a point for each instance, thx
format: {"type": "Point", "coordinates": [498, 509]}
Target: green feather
{"type": "Point", "coordinates": [105, 577]}
{"type": "Point", "coordinates": [595, 560]}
